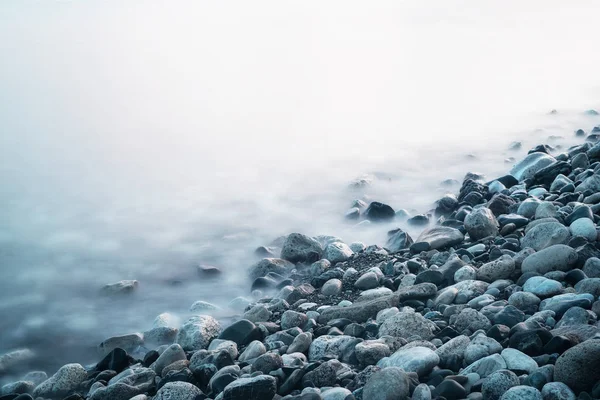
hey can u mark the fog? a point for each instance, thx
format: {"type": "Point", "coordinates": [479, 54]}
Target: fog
{"type": "Point", "coordinates": [140, 138]}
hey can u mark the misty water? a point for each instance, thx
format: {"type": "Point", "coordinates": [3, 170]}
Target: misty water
{"type": "Point", "coordinates": [139, 139]}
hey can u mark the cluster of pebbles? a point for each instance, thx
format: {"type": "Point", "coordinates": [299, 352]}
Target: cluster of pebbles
{"type": "Point", "coordinates": [496, 299]}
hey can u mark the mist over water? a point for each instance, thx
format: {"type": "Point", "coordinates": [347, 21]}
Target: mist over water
{"type": "Point", "coordinates": [140, 138]}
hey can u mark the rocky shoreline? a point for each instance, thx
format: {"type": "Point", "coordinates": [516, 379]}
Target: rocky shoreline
{"type": "Point", "coordinates": [497, 298]}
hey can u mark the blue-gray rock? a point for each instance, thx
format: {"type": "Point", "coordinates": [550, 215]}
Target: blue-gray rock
{"type": "Point", "coordinates": [486, 366]}
{"type": "Point", "coordinates": [500, 268]}
{"type": "Point", "coordinates": [451, 353]}
{"type": "Point", "coordinates": [518, 361]}
{"type": "Point", "coordinates": [266, 265]}
{"type": "Point", "coordinates": [531, 164]}
{"type": "Point", "coordinates": [584, 227]}
{"type": "Point", "coordinates": [481, 223]}
{"type": "Point", "coordinates": [472, 320]}
{"type": "Point", "coordinates": [543, 287]}
{"type": "Point", "coordinates": [545, 235]}
{"type": "Point", "coordinates": [421, 360]}
{"type": "Point", "coordinates": [525, 301]}
{"type": "Point", "coordinates": [522, 393]}
{"type": "Point", "coordinates": [557, 391]}
{"type": "Point", "coordinates": [387, 384]}
{"type": "Point", "coordinates": [301, 248]}
{"type": "Point", "coordinates": [330, 346]}
{"type": "Point", "coordinates": [528, 207]}
{"type": "Point", "coordinates": [255, 388]}
{"type": "Point", "coordinates": [407, 323]}
{"type": "Point", "coordinates": [65, 381]}
{"type": "Point", "coordinates": [579, 367]}
{"type": "Point", "coordinates": [332, 287]}
{"type": "Point", "coordinates": [336, 393]}
{"type": "Point", "coordinates": [440, 237]}
{"type": "Point", "coordinates": [398, 240]}
{"type": "Point", "coordinates": [558, 257]}
{"type": "Point", "coordinates": [497, 383]}
{"type": "Point", "coordinates": [368, 280]}
{"type": "Point", "coordinates": [337, 252]}
{"type": "Point", "coordinates": [591, 183]}
{"type": "Point", "coordinates": [168, 356]}
{"type": "Point", "coordinates": [197, 332]}
{"type": "Point", "coordinates": [588, 285]}
{"type": "Point", "coordinates": [562, 302]}
{"type": "Point", "coordinates": [591, 268]}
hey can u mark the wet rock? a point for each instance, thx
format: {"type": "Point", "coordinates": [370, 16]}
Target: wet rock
{"type": "Point", "coordinates": [407, 323]}
{"type": "Point", "coordinates": [267, 265]}
{"type": "Point", "coordinates": [558, 257]}
{"type": "Point", "coordinates": [387, 384]}
{"type": "Point", "coordinates": [543, 287]}
{"type": "Point", "coordinates": [498, 383]}
{"type": "Point", "coordinates": [337, 252]}
{"type": "Point", "coordinates": [328, 346]}
{"type": "Point", "coordinates": [197, 332]}
{"type": "Point", "coordinates": [421, 360]}
{"type": "Point", "coordinates": [481, 223]}
{"type": "Point", "coordinates": [398, 240]}
{"type": "Point", "coordinates": [332, 287]}
{"type": "Point", "coordinates": [120, 288]}
{"type": "Point", "coordinates": [522, 393]}
{"type": "Point", "coordinates": [301, 248]}
{"type": "Point", "coordinates": [545, 235]}
{"type": "Point", "coordinates": [241, 332]}
{"type": "Point", "coordinates": [584, 227]}
{"type": "Point", "coordinates": [557, 391]}
{"type": "Point", "coordinates": [65, 381]}
{"type": "Point", "coordinates": [518, 361]}
{"type": "Point", "coordinates": [579, 367]}
{"type": "Point", "coordinates": [531, 164]}
{"type": "Point", "coordinates": [170, 355]}
{"type": "Point", "coordinates": [501, 268]}
{"type": "Point", "coordinates": [379, 212]}
{"type": "Point", "coordinates": [485, 366]}
{"type": "Point", "coordinates": [178, 391]}
{"type": "Point", "coordinates": [440, 237]}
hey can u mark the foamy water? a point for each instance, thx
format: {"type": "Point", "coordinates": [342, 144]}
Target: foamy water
{"type": "Point", "coordinates": [140, 139]}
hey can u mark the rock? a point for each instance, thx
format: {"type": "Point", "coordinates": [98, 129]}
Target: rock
{"type": "Point", "coordinates": [407, 323]}
{"type": "Point", "coordinates": [579, 367]}
{"type": "Point", "coordinates": [267, 362]}
{"type": "Point", "coordinates": [126, 342]}
{"type": "Point", "coordinates": [560, 182]}
{"type": "Point", "coordinates": [518, 361]}
{"type": "Point", "coordinates": [169, 356]}
{"type": "Point", "coordinates": [500, 268]}
{"type": "Point", "coordinates": [528, 207]}
{"type": "Point", "coordinates": [451, 353]}
{"type": "Point", "coordinates": [591, 268]}
{"type": "Point", "coordinates": [337, 252]}
{"type": "Point", "coordinates": [178, 391]}
{"type": "Point", "coordinates": [420, 291]}
{"type": "Point", "coordinates": [121, 287]}
{"type": "Point", "coordinates": [591, 183]}
{"type": "Point", "coordinates": [422, 392]}
{"type": "Point", "coordinates": [15, 359]}
{"type": "Point", "coordinates": [486, 366]}
{"type": "Point", "coordinates": [18, 387]}
{"type": "Point", "coordinates": [200, 306]}
{"type": "Point", "coordinates": [336, 393]}
{"type": "Point", "coordinates": [558, 257]}
{"type": "Point", "coordinates": [543, 287]}
{"type": "Point", "coordinates": [531, 164]}
{"type": "Point", "coordinates": [379, 212]}
{"type": "Point", "coordinates": [267, 265]}
{"type": "Point", "coordinates": [301, 343]}
{"type": "Point", "coordinates": [368, 280]}
{"type": "Point", "coordinates": [301, 248]}
{"type": "Point", "coordinates": [64, 382]}
{"type": "Point", "coordinates": [258, 313]}
{"type": "Point", "coordinates": [584, 227]}
{"type": "Point", "coordinates": [557, 391]}
{"type": "Point", "coordinates": [440, 237]}
{"type": "Point", "coordinates": [197, 332]}
{"type": "Point", "coordinates": [501, 204]}
{"type": "Point", "coordinates": [160, 335]}
{"type": "Point", "coordinates": [254, 350]}
{"type": "Point", "coordinates": [332, 287]}
{"type": "Point", "coordinates": [398, 240]}
{"type": "Point", "coordinates": [415, 359]}
{"type": "Point", "coordinates": [588, 285]}
{"type": "Point", "coordinates": [323, 375]}
{"type": "Point", "coordinates": [522, 393]}
{"type": "Point", "coordinates": [497, 383]}
{"type": "Point", "coordinates": [328, 346]}
{"type": "Point", "coordinates": [387, 384]}
{"type": "Point", "coordinates": [525, 301]}
{"type": "Point", "coordinates": [241, 332]}
{"type": "Point", "coordinates": [562, 302]}
{"type": "Point", "coordinates": [450, 389]}
{"type": "Point", "coordinates": [472, 320]}
{"type": "Point", "coordinates": [481, 223]}
{"type": "Point", "coordinates": [545, 235]}
{"type": "Point", "coordinates": [359, 312]}
{"type": "Point", "coordinates": [371, 351]}
{"type": "Point", "coordinates": [227, 345]}
{"type": "Point", "coordinates": [546, 175]}
{"type": "Point", "coordinates": [292, 319]}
